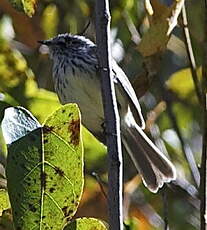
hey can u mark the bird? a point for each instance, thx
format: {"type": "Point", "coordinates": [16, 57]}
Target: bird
{"type": "Point", "coordinates": [76, 79]}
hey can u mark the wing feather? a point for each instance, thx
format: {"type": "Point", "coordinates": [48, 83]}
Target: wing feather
{"type": "Point", "coordinates": [126, 91]}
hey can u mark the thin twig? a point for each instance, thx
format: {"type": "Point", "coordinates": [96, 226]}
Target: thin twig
{"type": "Point", "coordinates": [135, 36]}
{"type": "Point", "coordinates": [188, 154]}
{"type": "Point", "coordinates": [100, 182]}
{"type": "Point", "coordinates": [191, 54]}
{"type": "Point", "coordinates": [182, 188]}
{"type": "Point", "coordinates": [113, 139]}
{"type": "Point", "coordinates": [186, 150]}
{"type": "Point", "coordinates": [165, 209]}
{"type": "Point", "coordinates": [203, 182]}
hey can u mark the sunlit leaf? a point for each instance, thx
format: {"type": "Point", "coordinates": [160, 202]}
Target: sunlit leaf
{"type": "Point", "coordinates": [182, 83]}
{"type": "Point", "coordinates": [65, 124]}
{"type": "Point", "coordinates": [45, 168]}
{"type": "Point", "coordinates": [17, 123]}
{"type": "Point", "coordinates": [43, 103]}
{"type": "Point", "coordinates": [40, 102]}
{"type": "Point", "coordinates": [127, 4]}
{"type": "Point", "coordinates": [14, 74]}
{"type": "Point", "coordinates": [50, 20]}
{"type": "Point", "coordinates": [13, 67]}
{"type": "Point", "coordinates": [4, 201]}
{"type": "Point", "coordinates": [95, 153]}
{"type": "Point", "coordinates": [26, 6]}
{"type": "Point", "coordinates": [3, 150]}
{"type": "Point", "coordinates": [162, 21]}
{"type": "Point", "coordinates": [133, 224]}
{"type": "Point", "coordinates": [86, 224]}
{"type": "Point", "coordinates": [184, 116]}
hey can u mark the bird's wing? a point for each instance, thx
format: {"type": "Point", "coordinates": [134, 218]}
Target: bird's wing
{"type": "Point", "coordinates": [126, 90]}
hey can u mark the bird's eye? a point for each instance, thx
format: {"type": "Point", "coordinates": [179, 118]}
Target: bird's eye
{"type": "Point", "coordinates": [61, 43]}
{"type": "Point", "coordinates": [75, 42]}
{"type": "Point", "coordinates": [68, 41]}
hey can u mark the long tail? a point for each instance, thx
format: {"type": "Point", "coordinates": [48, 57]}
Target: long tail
{"type": "Point", "coordinates": [153, 166]}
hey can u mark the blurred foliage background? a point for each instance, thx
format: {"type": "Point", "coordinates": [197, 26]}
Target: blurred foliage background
{"type": "Point", "coordinates": [158, 65]}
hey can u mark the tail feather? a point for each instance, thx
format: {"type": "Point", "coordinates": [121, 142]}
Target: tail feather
{"type": "Point", "coordinates": [151, 163]}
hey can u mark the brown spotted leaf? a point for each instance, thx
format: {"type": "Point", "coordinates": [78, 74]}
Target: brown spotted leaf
{"type": "Point", "coordinates": [44, 167]}
{"type": "Point", "coordinates": [64, 170]}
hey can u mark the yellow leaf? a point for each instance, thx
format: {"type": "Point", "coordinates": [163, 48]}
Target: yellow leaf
{"type": "Point", "coordinates": [182, 84]}
{"type": "Point", "coordinates": [162, 22]}
{"type": "Point", "coordinates": [26, 6]}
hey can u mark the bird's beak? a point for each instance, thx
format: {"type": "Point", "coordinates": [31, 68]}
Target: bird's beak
{"type": "Point", "coordinates": [45, 42]}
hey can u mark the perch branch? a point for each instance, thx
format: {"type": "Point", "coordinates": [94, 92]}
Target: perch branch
{"type": "Point", "coordinates": [203, 171]}
{"type": "Point", "coordinates": [112, 123]}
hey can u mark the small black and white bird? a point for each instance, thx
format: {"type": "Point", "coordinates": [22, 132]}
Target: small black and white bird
{"type": "Point", "coordinates": [76, 80]}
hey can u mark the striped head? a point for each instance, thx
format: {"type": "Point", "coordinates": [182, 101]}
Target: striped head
{"type": "Point", "coordinates": [74, 58]}
{"type": "Point", "coordinates": [68, 44]}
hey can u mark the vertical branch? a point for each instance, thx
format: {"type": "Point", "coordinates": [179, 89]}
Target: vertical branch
{"type": "Point", "coordinates": [191, 54]}
{"type": "Point", "coordinates": [201, 93]}
{"type": "Point", "coordinates": [203, 171]}
{"type": "Point", "coordinates": [165, 209]}
{"type": "Point", "coordinates": [111, 115]}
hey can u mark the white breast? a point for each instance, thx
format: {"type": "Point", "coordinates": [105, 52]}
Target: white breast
{"type": "Point", "coordinates": [84, 89]}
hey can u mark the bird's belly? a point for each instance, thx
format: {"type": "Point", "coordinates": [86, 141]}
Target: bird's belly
{"type": "Point", "coordinates": [86, 92]}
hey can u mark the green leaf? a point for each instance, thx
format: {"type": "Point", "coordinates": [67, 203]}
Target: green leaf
{"type": "Point", "coordinates": [29, 7]}
{"type": "Point", "coordinates": [45, 171]}
{"type": "Point", "coordinates": [42, 102]}
{"type": "Point", "coordinates": [49, 15]}
{"type": "Point", "coordinates": [95, 153]}
{"type": "Point", "coordinates": [26, 6]}
{"type": "Point", "coordinates": [4, 201]}
{"type": "Point", "coordinates": [131, 224]}
{"type": "Point", "coordinates": [63, 126]}
{"type": "Point", "coordinates": [86, 224]}
{"type": "Point", "coordinates": [182, 84]}
{"type": "Point", "coordinates": [13, 67]}
{"type": "Point", "coordinates": [127, 4]}
{"type": "Point", "coordinates": [3, 151]}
